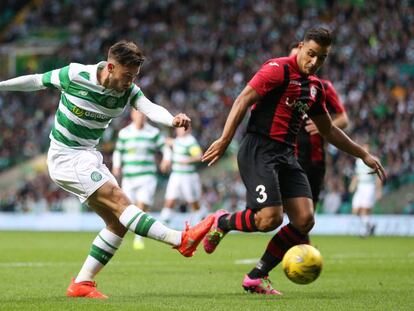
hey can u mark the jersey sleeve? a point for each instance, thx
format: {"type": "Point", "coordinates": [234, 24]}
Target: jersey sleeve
{"type": "Point", "coordinates": [319, 106]}
{"type": "Point", "coordinates": [333, 103]}
{"type": "Point", "coordinates": [268, 77]}
{"type": "Point", "coordinates": [155, 113]}
{"type": "Point", "coordinates": [57, 78]}
{"type": "Point", "coordinates": [136, 93]}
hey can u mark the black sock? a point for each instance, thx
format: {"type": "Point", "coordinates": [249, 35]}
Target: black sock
{"type": "Point", "coordinates": [284, 239]}
{"type": "Point", "coordinates": [240, 221]}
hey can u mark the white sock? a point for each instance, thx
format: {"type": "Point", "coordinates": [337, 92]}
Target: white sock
{"type": "Point", "coordinates": [143, 224]}
{"type": "Point", "coordinates": [103, 248]}
{"type": "Point", "coordinates": [166, 214]}
{"type": "Point", "coordinates": [365, 224]}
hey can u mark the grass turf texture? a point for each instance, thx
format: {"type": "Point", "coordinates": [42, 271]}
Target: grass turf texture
{"type": "Point", "coordinates": [358, 274]}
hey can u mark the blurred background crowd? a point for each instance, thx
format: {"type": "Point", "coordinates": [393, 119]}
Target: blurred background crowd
{"type": "Point", "coordinates": [200, 54]}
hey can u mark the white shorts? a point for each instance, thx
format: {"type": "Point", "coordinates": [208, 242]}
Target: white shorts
{"type": "Point", "coordinates": [186, 187]}
{"type": "Point", "coordinates": [364, 197]}
{"type": "Point", "coordinates": [80, 172]}
{"type": "Point", "coordinates": [140, 189]}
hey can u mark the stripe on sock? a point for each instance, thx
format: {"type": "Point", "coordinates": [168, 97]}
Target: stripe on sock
{"type": "Point", "coordinates": [107, 243]}
{"type": "Point", "coordinates": [133, 219]}
{"type": "Point", "coordinates": [144, 224]}
{"type": "Point", "coordinates": [284, 239]}
{"type": "Point", "coordinates": [241, 221]}
{"type": "Point", "coordinates": [248, 221]}
{"type": "Point", "coordinates": [100, 255]}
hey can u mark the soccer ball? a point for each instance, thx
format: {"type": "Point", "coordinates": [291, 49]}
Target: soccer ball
{"type": "Point", "coordinates": [302, 264]}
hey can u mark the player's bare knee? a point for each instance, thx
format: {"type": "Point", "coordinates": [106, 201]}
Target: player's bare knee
{"type": "Point", "coordinates": [119, 196]}
{"type": "Point", "coordinates": [117, 228]}
{"type": "Point", "coordinates": [305, 223]}
{"type": "Point", "coordinates": [266, 224]}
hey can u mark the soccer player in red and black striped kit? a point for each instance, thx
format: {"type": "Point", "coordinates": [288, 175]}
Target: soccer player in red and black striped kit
{"type": "Point", "coordinates": [281, 95]}
{"type": "Point", "coordinates": [310, 145]}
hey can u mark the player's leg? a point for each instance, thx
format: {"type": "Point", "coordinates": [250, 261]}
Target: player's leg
{"type": "Point", "coordinates": [298, 205]}
{"type": "Point", "coordinates": [367, 227]}
{"type": "Point", "coordinates": [172, 193]}
{"type": "Point", "coordinates": [112, 199]}
{"type": "Point", "coordinates": [145, 187]}
{"type": "Point", "coordinates": [138, 243]}
{"type": "Point", "coordinates": [191, 192]}
{"type": "Point", "coordinates": [359, 208]}
{"type": "Point", "coordinates": [264, 204]}
{"type": "Point", "coordinates": [316, 176]}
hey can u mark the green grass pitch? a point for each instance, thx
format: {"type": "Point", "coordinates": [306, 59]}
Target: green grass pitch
{"type": "Point", "coordinates": [358, 274]}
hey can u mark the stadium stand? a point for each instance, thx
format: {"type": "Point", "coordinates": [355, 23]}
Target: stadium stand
{"type": "Point", "coordinates": [195, 64]}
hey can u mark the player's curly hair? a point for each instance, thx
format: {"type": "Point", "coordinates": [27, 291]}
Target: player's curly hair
{"type": "Point", "coordinates": [321, 36]}
{"type": "Point", "coordinates": [126, 53]}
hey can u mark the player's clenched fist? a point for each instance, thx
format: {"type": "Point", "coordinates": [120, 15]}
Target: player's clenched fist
{"type": "Point", "coordinates": [181, 120]}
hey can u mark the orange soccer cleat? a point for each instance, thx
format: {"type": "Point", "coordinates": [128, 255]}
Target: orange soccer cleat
{"type": "Point", "coordinates": [191, 237]}
{"type": "Point", "coordinates": [86, 289]}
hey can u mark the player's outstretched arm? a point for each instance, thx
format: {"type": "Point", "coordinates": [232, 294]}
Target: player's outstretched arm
{"type": "Point", "coordinates": [338, 138]}
{"type": "Point", "coordinates": [159, 114]}
{"type": "Point", "coordinates": [245, 99]}
{"type": "Point", "coordinates": [26, 83]}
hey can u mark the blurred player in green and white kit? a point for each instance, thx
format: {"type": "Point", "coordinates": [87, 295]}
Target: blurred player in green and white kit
{"type": "Point", "coordinates": [184, 183]}
{"type": "Point", "coordinates": [134, 162]}
{"type": "Point", "coordinates": [91, 96]}
{"type": "Point", "coordinates": [368, 189]}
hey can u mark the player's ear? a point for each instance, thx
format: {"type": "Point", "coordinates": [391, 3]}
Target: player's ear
{"type": "Point", "coordinates": [111, 67]}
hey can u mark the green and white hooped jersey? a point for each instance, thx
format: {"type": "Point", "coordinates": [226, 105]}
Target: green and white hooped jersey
{"type": "Point", "coordinates": [135, 150]}
{"type": "Point", "coordinates": [86, 108]}
{"type": "Point", "coordinates": [362, 171]}
{"type": "Point", "coordinates": [183, 149]}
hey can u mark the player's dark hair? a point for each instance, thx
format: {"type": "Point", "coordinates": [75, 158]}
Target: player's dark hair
{"type": "Point", "coordinates": [127, 53]}
{"type": "Point", "coordinates": [293, 45]}
{"type": "Point", "coordinates": [321, 36]}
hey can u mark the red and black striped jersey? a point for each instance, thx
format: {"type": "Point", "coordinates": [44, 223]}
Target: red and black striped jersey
{"type": "Point", "coordinates": [310, 148]}
{"type": "Point", "coordinates": [287, 98]}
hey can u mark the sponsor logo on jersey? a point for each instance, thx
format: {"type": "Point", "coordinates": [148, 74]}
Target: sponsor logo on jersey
{"type": "Point", "coordinates": [83, 93]}
{"type": "Point", "coordinates": [298, 105]}
{"type": "Point", "coordinates": [79, 112]}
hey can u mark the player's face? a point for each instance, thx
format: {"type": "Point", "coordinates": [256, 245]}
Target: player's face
{"type": "Point", "coordinates": [138, 117]}
{"type": "Point", "coordinates": [311, 56]}
{"type": "Point", "coordinates": [121, 77]}
{"type": "Point", "coordinates": [180, 131]}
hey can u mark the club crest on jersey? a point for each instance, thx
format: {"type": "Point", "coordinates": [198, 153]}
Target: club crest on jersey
{"type": "Point", "coordinates": [96, 176]}
{"type": "Point", "coordinates": [111, 102]}
{"type": "Point", "coordinates": [313, 92]}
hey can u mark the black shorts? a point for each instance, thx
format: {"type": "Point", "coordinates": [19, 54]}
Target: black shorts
{"type": "Point", "coordinates": [316, 176]}
{"type": "Point", "coordinates": [270, 172]}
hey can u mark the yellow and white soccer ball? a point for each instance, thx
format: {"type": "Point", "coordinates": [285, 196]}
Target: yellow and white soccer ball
{"type": "Point", "coordinates": [302, 264]}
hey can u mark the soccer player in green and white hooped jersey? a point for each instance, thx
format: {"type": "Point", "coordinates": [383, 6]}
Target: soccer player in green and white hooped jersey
{"type": "Point", "coordinates": [184, 182]}
{"type": "Point", "coordinates": [368, 189]}
{"type": "Point", "coordinates": [134, 161]}
{"type": "Point", "coordinates": [91, 95]}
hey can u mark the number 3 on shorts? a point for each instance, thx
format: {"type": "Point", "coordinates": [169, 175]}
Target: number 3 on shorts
{"type": "Point", "coordinates": [262, 193]}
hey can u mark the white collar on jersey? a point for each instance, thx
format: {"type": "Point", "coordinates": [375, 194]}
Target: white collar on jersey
{"type": "Point", "coordinates": [94, 72]}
